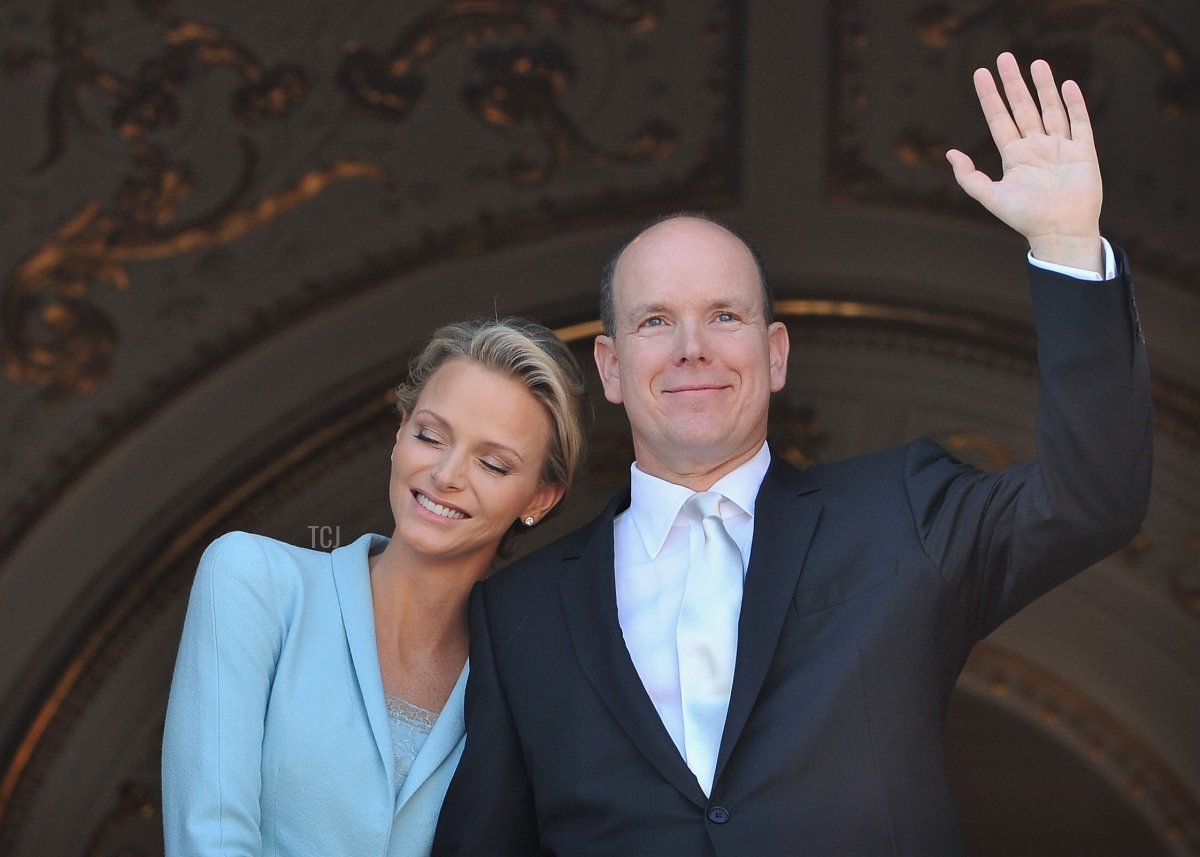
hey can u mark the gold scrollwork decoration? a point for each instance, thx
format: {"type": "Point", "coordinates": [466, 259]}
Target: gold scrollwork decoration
{"type": "Point", "coordinates": [1056, 707]}
{"type": "Point", "coordinates": [519, 85]}
{"type": "Point", "coordinates": [938, 25]}
{"type": "Point", "coordinates": [147, 100]}
{"type": "Point", "coordinates": [51, 335]}
{"type": "Point", "coordinates": [390, 84]}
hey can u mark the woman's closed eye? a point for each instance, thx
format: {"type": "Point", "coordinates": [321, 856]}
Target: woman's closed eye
{"type": "Point", "coordinates": [426, 436]}
{"type": "Point", "coordinates": [494, 466]}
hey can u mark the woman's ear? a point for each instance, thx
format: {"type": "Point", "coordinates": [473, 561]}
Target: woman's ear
{"type": "Point", "coordinates": [544, 499]}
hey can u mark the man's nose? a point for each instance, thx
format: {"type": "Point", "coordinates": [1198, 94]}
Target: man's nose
{"type": "Point", "coordinates": [691, 343]}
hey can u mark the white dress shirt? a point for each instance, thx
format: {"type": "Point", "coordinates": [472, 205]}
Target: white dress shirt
{"type": "Point", "coordinates": [652, 548]}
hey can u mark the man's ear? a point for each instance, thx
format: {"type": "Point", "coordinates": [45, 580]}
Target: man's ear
{"type": "Point", "coordinates": [778, 346]}
{"type": "Point", "coordinates": [605, 354]}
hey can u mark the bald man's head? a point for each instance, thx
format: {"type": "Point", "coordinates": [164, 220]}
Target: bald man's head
{"type": "Point", "coordinates": [607, 311]}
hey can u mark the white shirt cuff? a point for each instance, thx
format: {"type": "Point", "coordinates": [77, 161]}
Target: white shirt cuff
{"type": "Point", "coordinates": [1110, 265]}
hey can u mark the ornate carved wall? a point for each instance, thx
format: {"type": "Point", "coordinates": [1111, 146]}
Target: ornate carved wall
{"type": "Point", "coordinates": [226, 224]}
{"type": "Point", "coordinates": [184, 182]}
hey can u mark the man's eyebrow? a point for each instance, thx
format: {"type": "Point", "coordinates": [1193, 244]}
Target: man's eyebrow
{"type": "Point", "coordinates": [640, 310]}
{"type": "Point", "coordinates": [645, 309]}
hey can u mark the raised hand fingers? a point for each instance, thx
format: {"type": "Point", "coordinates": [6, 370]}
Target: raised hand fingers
{"type": "Point", "coordinates": [1050, 190]}
{"type": "Point", "coordinates": [1025, 112]}
{"type": "Point", "coordinates": [1081, 124]}
{"type": "Point", "coordinates": [1060, 115]}
{"type": "Point", "coordinates": [995, 111]}
{"type": "Point", "coordinates": [1054, 116]}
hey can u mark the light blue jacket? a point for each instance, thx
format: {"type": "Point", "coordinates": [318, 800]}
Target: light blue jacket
{"type": "Point", "coordinates": [277, 739]}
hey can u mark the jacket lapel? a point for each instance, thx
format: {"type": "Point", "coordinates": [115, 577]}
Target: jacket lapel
{"type": "Point", "coordinates": [352, 579]}
{"type": "Point", "coordinates": [589, 597]}
{"type": "Point", "coordinates": [784, 523]}
{"type": "Point", "coordinates": [445, 738]}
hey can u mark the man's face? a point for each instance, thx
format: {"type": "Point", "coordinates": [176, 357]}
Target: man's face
{"type": "Point", "coordinates": [693, 359]}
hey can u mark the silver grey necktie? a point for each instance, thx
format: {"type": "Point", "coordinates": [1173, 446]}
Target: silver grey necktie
{"type": "Point", "coordinates": [706, 638]}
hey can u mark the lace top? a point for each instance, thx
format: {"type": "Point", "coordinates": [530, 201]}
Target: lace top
{"type": "Point", "coordinates": [410, 727]}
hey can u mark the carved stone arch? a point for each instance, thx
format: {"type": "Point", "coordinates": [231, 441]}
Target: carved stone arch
{"type": "Point", "coordinates": [964, 376]}
{"type": "Point", "coordinates": [248, 217]}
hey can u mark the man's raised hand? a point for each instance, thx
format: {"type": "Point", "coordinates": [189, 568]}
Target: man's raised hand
{"type": "Point", "coordinates": [1050, 190]}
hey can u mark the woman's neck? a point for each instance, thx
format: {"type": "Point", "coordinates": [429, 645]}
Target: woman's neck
{"type": "Point", "coordinates": [420, 624]}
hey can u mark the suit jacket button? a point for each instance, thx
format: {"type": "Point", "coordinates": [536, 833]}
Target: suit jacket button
{"type": "Point", "coordinates": [718, 815]}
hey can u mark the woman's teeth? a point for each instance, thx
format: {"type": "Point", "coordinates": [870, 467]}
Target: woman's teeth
{"type": "Point", "coordinates": [438, 508]}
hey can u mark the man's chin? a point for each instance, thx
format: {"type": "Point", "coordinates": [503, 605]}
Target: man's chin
{"type": "Point", "coordinates": [706, 450]}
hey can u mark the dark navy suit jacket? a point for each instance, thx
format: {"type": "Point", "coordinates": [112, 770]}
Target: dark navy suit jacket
{"type": "Point", "coordinates": [868, 583]}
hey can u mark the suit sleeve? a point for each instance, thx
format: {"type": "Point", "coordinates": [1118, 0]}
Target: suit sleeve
{"type": "Point", "coordinates": [212, 743]}
{"type": "Point", "coordinates": [1001, 540]}
{"type": "Point", "coordinates": [489, 809]}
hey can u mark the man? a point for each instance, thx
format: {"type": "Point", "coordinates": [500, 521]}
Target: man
{"type": "Point", "coordinates": [796, 708]}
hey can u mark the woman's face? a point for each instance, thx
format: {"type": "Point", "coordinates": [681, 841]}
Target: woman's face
{"type": "Point", "coordinates": [467, 463]}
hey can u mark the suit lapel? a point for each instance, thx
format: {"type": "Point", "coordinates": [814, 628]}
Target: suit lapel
{"type": "Point", "coordinates": [352, 580]}
{"type": "Point", "coordinates": [590, 603]}
{"type": "Point", "coordinates": [445, 738]}
{"type": "Point", "coordinates": [784, 522]}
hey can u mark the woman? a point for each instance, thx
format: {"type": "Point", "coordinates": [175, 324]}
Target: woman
{"type": "Point", "coordinates": [316, 706]}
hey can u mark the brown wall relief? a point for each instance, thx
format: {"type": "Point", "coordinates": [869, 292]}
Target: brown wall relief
{"type": "Point", "coordinates": [902, 94]}
{"type": "Point", "coordinates": [206, 176]}
{"type": "Point", "coordinates": [519, 75]}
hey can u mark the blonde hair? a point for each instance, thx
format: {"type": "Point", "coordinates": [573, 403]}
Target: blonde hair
{"type": "Point", "coordinates": [527, 352]}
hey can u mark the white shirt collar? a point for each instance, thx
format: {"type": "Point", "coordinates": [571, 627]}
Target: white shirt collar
{"type": "Point", "coordinates": [655, 503]}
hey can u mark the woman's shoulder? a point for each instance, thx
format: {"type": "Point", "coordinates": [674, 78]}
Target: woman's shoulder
{"type": "Point", "coordinates": [248, 560]}
{"type": "Point", "coordinates": [271, 568]}
{"type": "Point", "coordinates": [254, 546]}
